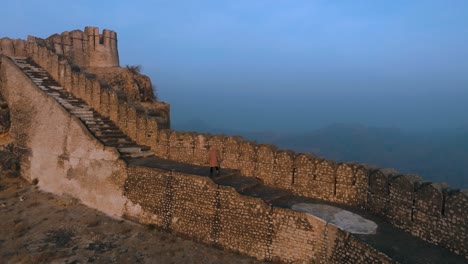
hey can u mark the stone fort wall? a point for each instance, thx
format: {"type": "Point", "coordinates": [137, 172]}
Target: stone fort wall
{"type": "Point", "coordinates": [195, 207]}
{"type": "Point", "coordinates": [58, 150]}
{"type": "Point", "coordinates": [86, 48]}
{"type": "Point", "coordinates": [427, 210]}
{"type": "Point", "coordinates": [430, 211]}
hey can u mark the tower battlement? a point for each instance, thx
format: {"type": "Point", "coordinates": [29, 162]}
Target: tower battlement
{"type": "Point", "coordinates": [86, 48]}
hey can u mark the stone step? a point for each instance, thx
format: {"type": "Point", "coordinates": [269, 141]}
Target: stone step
{"type": "Point", "coordinates": [142, 154]}
{"type": "Point", "coordinates": [115, 139]}
{"type": "Point", "coordinates": [85, 115]}
{"type": "Point", "coordinates": [102, 128]}
{"type": "Point", "coordinates": [129, 149]}
{"type": "Point", "coordinates": [103, 121]}
{"type": "Point", "coordinates": [106, 132]}
{"type": "Point", "coordinates": [111, 136]}
{"type": "Point", "coordinates": [130, 146]}
{"type": "Point", "coordinates": [118, 142]}
{"type": "Point", "coordinates": [78, 111]}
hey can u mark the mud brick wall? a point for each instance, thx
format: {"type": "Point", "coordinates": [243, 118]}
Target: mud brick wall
{"type": "Point", "coordinates": [197, 208]}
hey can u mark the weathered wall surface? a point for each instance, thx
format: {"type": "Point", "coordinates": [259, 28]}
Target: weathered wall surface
{"type": "Point", "coordinates": [432, 212]}
{"type": "Point", "coordinates": [86, 48]}
{"type": "Point", "coordinates": [84, 85]}
{"type": "Point", "coordinates": [57, 149]}
{"type": "Point", "coordinates": [196, 207]}
{"type": "Point", "coordinates": [429, 211]}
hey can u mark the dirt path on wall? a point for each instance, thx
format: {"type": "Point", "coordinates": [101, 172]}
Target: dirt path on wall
{"type": "Point", "coordinates": [38, 227]}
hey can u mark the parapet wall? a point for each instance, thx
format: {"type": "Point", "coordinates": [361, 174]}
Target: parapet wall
{"type": "Point", "coordinates": [85, 48]}
{"type": "Point", "coordinates": [430, 211]}
{"type": "Point", "coordinates": [58, 150]}
{"type": "Point", "coordinates": [196, 207]}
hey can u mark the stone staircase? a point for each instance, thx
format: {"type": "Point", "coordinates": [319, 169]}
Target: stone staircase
{"type": "Point", "coordinates": [101, 127]}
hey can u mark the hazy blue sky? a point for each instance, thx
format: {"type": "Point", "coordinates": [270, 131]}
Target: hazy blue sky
{"type": "Point", "coordinates": [282, 65]}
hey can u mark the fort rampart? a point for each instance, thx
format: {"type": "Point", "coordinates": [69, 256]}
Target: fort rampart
{"type": "Point", "coordinates": [58, 151]}
{"type": "Point", "coordinates": [430, 211]}
{"type": "Point", "coordinates": [195, 207]}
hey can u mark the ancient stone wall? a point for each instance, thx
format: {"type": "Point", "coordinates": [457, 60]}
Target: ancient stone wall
{"type": "Point", "coordinates": [196, 207]}
{"type": "Point", "coordinates": [432, 212]}
{"type": "Point", "coordinates": [105, 101]}
{"type": "Point", "coordinates": [86, 48]}
{"type": "Point", "coordinates": [55, 148]}
{"type": "Point", "coordinates": [61, 59]}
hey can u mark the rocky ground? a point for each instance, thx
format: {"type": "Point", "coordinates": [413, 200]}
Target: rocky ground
{"type": "Point", "coordinates": [38, 227]}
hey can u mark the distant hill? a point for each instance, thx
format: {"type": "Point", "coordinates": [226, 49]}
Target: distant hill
{"type": "Point", "coordinates": [439, 156]}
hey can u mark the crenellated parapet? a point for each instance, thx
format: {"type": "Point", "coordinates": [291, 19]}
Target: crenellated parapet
{"type": "Point", "coordinates": [86, 48]}
{"type": "Point", "coordinates": [431, 211]}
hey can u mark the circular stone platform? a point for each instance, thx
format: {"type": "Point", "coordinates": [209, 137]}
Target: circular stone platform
{"type": "Point", "coordinates": [345, 220]}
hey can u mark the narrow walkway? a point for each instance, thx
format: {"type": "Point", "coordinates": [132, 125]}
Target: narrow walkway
{"type": "Point", "coordinates": [399, 245]}
{"type": "Point", "coordinates": [392, 241]}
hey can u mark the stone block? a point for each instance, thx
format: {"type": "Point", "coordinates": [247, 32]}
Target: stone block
{"type": "Point", "coordinates": [200, 151]}
{"type": "Point", "coordinates": [162, 149]}
{"type": "Point", "coordinates": [105, 103]}
{"type": "Point", "coordinates": [231, 152]}
{"type": "Point", "coordinates": [429, 199]}
{"type": "Point", "coordinates": [325, 171]}
{"type": "Point", "coordinates": [131, 122]}
{"type": "Point", "coordinates": [284, 171]}
{"type": "Point", "coordinates": [151, 132]}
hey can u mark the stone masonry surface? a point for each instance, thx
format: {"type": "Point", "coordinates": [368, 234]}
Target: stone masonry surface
{"type": "Point", "coordinates": [432, 212]}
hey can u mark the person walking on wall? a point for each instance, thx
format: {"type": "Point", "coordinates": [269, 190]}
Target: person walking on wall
{"type": "Point", "coordinates": [213, 160]}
